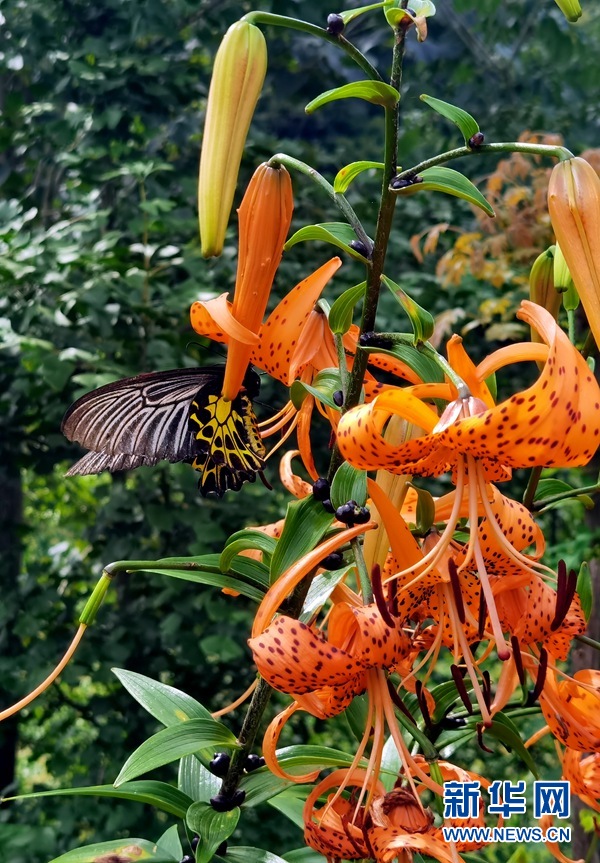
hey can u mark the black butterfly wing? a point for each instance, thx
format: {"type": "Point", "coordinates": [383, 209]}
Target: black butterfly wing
{"type": "Point", "coordinates": [140, 420]}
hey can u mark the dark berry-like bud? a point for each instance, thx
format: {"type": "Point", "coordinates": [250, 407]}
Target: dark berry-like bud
{"type": "Point", "coordinates": [374, 340]}
{"type": "Point", "coordinates": [338, 398]}
{"type": "Point", "coordinates": [187, 859]}
{"type": "Point", "coordinates": [220, 764]}
{"type": "Point", "coordinates": [335, 24]}
{"type": "Point", "coordinates": [221, 803]}
{"type": "Point", "coordinates": [328, 506]}
{"type": "Point", "coordinates": [222, 849]}
{"type": "Point", "coordinates": [362, 515]}
{"type": "Point", "coordinates": [476, 140]}
{"type": "Point", "coordinates": [253, 762]}
{"type": "Point", "coordinates": [321, 489]}
{"type": "Point", "coordinates": [345, 513]}
{"type": "Point", "coordinates": [360, 247]}
{"type": "Point", "coordinates": [404, 182]}
{"type": "Point", "coordinates": [194, 842]}
{"type": "Point", "coordinates": [335, 560]}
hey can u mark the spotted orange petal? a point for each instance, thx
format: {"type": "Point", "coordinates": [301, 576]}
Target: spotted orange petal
{"type": "Point", "coordinates": [572, 711]}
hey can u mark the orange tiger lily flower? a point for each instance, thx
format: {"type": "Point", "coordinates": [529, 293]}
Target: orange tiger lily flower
{"type": "Point", "coordinates": [571, 709]}
{"type": "Point", "coordinates": [583, 772]}
{"type": "Point", "coordinates": [552, 423]}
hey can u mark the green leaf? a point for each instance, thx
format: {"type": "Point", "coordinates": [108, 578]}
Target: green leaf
{"type": "Point", "coordinates": [158, 794]}
{"type": "Point", "coordinates": [261, 785]}
{"type": "Point", "coordinates": [324, 385]}
{"type": "Point", "coordinates": [426, 368]}
{"type": "Point", "coordinates": [346, 175]}
{"type": "Point", "coordinates": [321, 587]}
{"type": "Point", "coordinates": [425, 509]}
{"type": "Point", "coordinates": [340, 315]}
{"type": "Point", "coordinates": [291, 803]}
{"type": "Point", "coordinates": [125, 850]}
{"type": "Point", "coordinates": [173, 743]}
{"type": "Point", "coordinates": [339, 234]}
{"type": "Point", "coordinates": [300, 759]}
{"type": "Point", "coordinates": [170, 842]}
{"type": "Point", "coordinates": [420, 8]}
{"type": "Point", "coordinates": [213, 828]}
{"type": "Point", "coordinates": [169, 705]}
{"type": "Point", "coordinates": [550, 486]}
{"type": "Point", "coordinates": [391, 764]}
{"type": "Point", "coordinates": [349, 483]}
{"type": "Point", "coordinates": [247, 854]}
{"type": "Point", "coordinates": [243, 540]}
{"type": "Point", "coordinates": [350, 14]}
{"type": "Point", "coordinates": [445, 695]}
{"type": "Point", "coordinates": [585, 590]}
{"type": "Point", "coordinates": [440, 179]}
{"type": "Point", "coordinates": [421, 320]}
{"type": "Point", "coordinates": [305, 525]}
{"type": "Point", "coordinates": [356, 715]}
{"type": "Point", "coordinates": [504, 729]}
{"type": "Point", "coordinates": [467, 124]}
{"type": "Point", "coordinates": [206, 573]}
{"type": "Point", "coordinates": [303, 855]}
{"type": "Point", "coordinates": [376, 92]}
{"type": "Point", "coordinates": [196, 781]}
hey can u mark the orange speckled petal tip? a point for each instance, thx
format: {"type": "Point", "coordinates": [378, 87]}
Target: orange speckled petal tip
{"type": "Point", "coordinates": [572, 711]}
{"type": "Point", "coordinates": [584, 775]}
{"type": "Point", "coordinates": [282, 329]}
{"type": "Point", "coordinates": [464, 366]}
{"type": "Point", "coordinates": [553, 423]}
{"type": "Point", "coordinates": [293, 658]}
{"type": "Point", "coordinates": [363, 631]}
{"type": "Point", "coordinates": [270, 741]}
{"type": "Point", "coordinates": [215, 316]}
{"type": "Point", "coordinates": [291, 481]}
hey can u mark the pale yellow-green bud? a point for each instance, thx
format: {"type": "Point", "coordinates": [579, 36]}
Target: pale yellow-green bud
{"type": "Point", "coordinates": [541, 288]}
{"type": "Point", "coordinates": [237, 80]}
{"type": "Point", "coordinates": [562, 274]}
{"type": "Point", "coordinates": [571, 9]}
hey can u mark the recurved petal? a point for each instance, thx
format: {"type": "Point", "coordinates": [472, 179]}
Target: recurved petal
{"type": "Point", "coordinates": [294, 658]}
{"type": "Point", "coordinates": [555, 422]}
{"type": "Point", "coordinates": [364, 633]}
{"type": "Point", "coordinates": [572, 710]}
{"type": "Point", "coordinates": [283, 327]}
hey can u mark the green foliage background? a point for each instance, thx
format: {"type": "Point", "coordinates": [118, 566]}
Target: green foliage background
{"type": "Point", "coordinates": [99, 261]}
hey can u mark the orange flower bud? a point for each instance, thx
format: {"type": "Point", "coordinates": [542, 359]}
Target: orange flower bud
{"type": "Point", "coordinates": [238, 76]}
{"type": "Point", "coordinates": [264, 221]}
{"type": "Point", "coordinates": [574, 204]}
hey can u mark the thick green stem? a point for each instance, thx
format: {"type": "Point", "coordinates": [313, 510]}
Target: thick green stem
{"type": "Point", "coordinates": [591, 642]}
{"type": "Point", "coordinates": [351, 50]}
{"type": "Point", "coordinates": [565, 495]}
{"type": "Point", "coordinates": [529, 496]}
{"type": "Point", "coordinates": [338, 199]}
{"type": "Point", "coordinates": [560, 153]}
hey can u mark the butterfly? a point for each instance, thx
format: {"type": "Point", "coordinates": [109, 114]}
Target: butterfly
{"type": "Point", "coordinates": [176, 415]}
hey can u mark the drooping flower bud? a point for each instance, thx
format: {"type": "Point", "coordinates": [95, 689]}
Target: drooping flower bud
{"type": "Point", "coordinates": [574, 204]}
{"type": "Point", "coordinates": [237, 79]}
{"type": "Point", "coordinates": [542, 290]}
{"type": "Point", "coordinates": [571, 9]}
{"type": "Point", "coordinates": [265, 215]}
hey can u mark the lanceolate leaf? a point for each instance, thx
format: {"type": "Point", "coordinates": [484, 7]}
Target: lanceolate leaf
{"type": "Point", "coordinates": [247, 854]}
{"type": "Point", "coordinates": [421, 320]}
{"type": "Point", "coordinates": [158, 794]}
{"type": "Point", "coordinates": [261, 785]}
{"type": "Point", "coordinates": [196, 781]}
{"type": "Point", "coordinates": [467, 124]}
{"type": "Point", "coordinates": [320, 589]}
{"type": "Point", "coordinates": [349, 484]}
{"type": "Point", "coordinates": [426, 368]}
{"type": "Point", "coordinates": [212, 827]}
{"type": "Point", "coordinates": [340, 315]}
{"type": "Point", "coordinates": [351, 14]}
{"type": "Point", "coordinates": [123, 850]}
{"type": "Point", "coordinates": [585, 590]}
{"type": "Point", "coordinates": [338, 234]}
{"type": "Point", "coordinates": [440, 179]}
{"type": "Point", "coordinates": [243, 540]}
{"type": "Point", "coordinates": [171, 843]}
{"type": "Point", "coordinates": [305, 524]}
{"type": "Point", "coordinates": [376, 92]}
{"type": "Point", "coordinates": [167, 704]}
{"type": "Point", "coordinates": [349, 173]}
{"type": "Point", "coordinates": [504, 729]}
{"type": "Point", "coordinates": [174, 743]}
{"type": "Point", "coordinates": [324, 385]}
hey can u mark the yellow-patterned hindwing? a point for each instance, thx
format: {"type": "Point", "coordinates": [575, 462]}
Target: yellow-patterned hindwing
{"type": "Point", "coordinates": [230, 449]}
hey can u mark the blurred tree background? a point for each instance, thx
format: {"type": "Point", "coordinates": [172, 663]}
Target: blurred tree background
{"type": "Point", "coordinates": [102, 108]}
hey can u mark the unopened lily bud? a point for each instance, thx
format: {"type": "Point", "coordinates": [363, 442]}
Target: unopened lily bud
{"type": "Point", "coordinates": [237, 80]}
{"type": "Point", "coordinates": [264, 219]}
{"type": "Point", "coordinates": [574, 204]}
{"type": "Point", "coordinates": [562, 274]}
{"type": "Point", "coordinates": [541, 287]}
{"type": "Point", "coordinates": [571, 9]}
